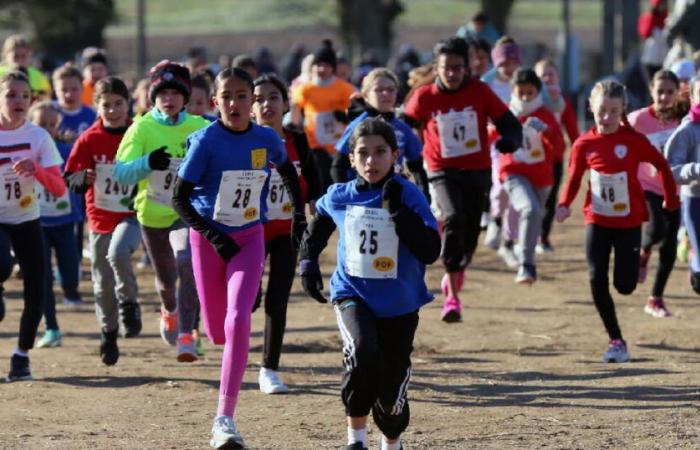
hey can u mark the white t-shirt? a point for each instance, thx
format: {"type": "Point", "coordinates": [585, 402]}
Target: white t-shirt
{"type": "Point", "coordinates": [18, 203]}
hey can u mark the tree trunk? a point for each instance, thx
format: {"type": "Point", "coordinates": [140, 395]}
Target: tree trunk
{"type": "Point", "coordinates": [367, 25]}
{"type": "Point", "coordinates": [498, 12]}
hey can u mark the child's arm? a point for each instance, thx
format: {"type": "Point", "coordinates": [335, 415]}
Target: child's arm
{"type": "Point", "coordinates": [314, 241]}
{"type": "Point", "coordinates": [134, 163]}
{"type": "Point", "coordinates": [50, 178]}
{"type": "Point", "coordinates": [680, 153]}
{"type": "Point", "coordinates": [577, 167]}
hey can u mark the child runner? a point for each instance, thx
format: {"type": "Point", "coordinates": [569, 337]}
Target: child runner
{"type": "Point", "coordinates": [271, 103]}
{"type": "Point", "coordinates": [200, 100]}
{"type": "Point", "coordinates": [614, 208]}
{"type": "Point", "coordinates": [94, 64]}
{"type": "Point", "coordinates": [683, 153]}
{"type": "Point", "coordinates": [387, 236]}
{"type": "Point", "coordinates": [149, 155]}
{"type": "Point", "coordinates": [527, 174]}
{"type": "Point", "coordinates": [379, 90]}
{"type": "Point", "coordinates": [17, 55]}
{"type": "Point", "coordinates": [27, 154]}
{"type": "Point", "coordinates": [452, 113]}
{"type": "Point", "coordinates": [114, 231]}
{"type": "Point", "coordinates": [58, 218]}
{"type": "Point", "coordinates": [564, 111]}
{"type": "Point", "coordinates": [479, 56]}
{"type": "Point", "coordinates": [220, 192]}
{"type": "Point", "coordinates": [657, 122]}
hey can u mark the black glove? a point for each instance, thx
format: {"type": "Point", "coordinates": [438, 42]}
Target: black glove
{"type": "Point", "coordinates": [505, 145]}
{"type": "Point", "coordinates": [298, 227]}
{"type": "Point", "coordinates": [391, 195]}
{"type": "Point", "coordinates": [311, 280]}
{"type": "Point", "coordinates": [159, 159]}
{"type": "Point", "coordinates": [225, 246]}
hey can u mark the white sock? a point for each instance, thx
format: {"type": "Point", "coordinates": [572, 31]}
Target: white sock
{"type": "Point", "coordinates": [387, 446]}
{"type": "Point", "coordinates": [21, 353]}
{"type": "Point", "coordinates": [357, 436]}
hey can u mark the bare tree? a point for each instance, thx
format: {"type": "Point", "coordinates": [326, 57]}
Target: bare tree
{"type": "Point", "coordinates": [367, 25]}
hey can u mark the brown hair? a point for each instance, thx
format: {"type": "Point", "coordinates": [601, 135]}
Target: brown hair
{"type": "Point", "coordinates": [611, 89]}
{"type": "Point", "coordinates": [44, 105]}
{"type": "Point", "coordinates": [15, 41]}
{"type": "Point", "coordinates": [110, 85]}
{"type": "Point", "coordinates": [68, 70]}
{"type": "Point", "coordinates": [374, 126]}
{"type": "Point", "coordinates": [15, 75]}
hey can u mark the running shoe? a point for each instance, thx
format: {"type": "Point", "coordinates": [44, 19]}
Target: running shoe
{"type": "Point", "coordinates": [444, 283]}
{"type": "Point", "coordinates": [109, 351]}
{"type": "Point", "coordinates": [130, 313]}
{"type": "Point", "coordinates": [527, 274]}
{"type": "Point", "coordinates": [73, 302]}
{"type": "Point", "coordinates": [19, 369]}
{"type": "Point", "coordinates": [644, 256]}
{"type": "Point", "coordinates": [198, 344]}
{"type": "Point", "coordinates": [617, 352]}
{"type": "Point", "coordinates": [168, 326]}
{"type": "Point", "coordinates": [656, 307]}
{"type": "Point", "coordinates": [270, 382]}
{"type": "Point", "coordinates": [544, 247]}
{"type": "Point", "coordinates": [507, 254]}
{"type": "Point", "coordinates": [355, 446]}
{"type": "Point", "coordinates": [50, 339]}
{"type": "Point", "coordinates": [224, 434]}
{"type": "Point", "coordinates": [186, 348]}
{"type": "Point", "coordinates": [493, 235]}
{"type": "Point", "coordinates": [451, 310]}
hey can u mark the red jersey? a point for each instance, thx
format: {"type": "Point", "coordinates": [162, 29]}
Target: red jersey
{"type": "Point", "coordinates": [615, 198]}
{"type": "Point", "coordinates": [535, 158]}
{"type": "Point", "coordinates": [95, 149]}
{"type": "Point", "coordinates": [454, 124]}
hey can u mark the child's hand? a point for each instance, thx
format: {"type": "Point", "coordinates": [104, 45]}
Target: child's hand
{"type": "Point", "coordinates": [89, 177]}
{"type": "Point", "coordinates": [24, 166]}
{"type": "Point", "coordinates": [311, 280]}
{"type": "Point", "coordinates": [391, 195]}
{"type": "Point", "coordinates": [158, 159]}
{"type": "Point", "coordinates": [562, 213]}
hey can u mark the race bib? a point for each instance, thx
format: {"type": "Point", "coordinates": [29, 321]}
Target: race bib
{"type": "Point", "coordinates": [238, 199]}
{"type": "Point", "coordinates": [532, 151]}
{"type": "Point", "coordinates": [609, 194]}
{"type": "Point", "coordinates": [109, 194]}
{"type": "Point", "coordinates": [161, 182]}
{"type": "Point", "coordinates": [459, 133]}
{"type": "Point", "coordinates": [17, 194]}
{"type": "Point", "coordinates": [52, 206]}
{"type": "Point", "coordinates": [328, 130]}
{"type": "Point", "coordinates": [279, 205]}
{"type": "Point", "coordinates": [371, 243]}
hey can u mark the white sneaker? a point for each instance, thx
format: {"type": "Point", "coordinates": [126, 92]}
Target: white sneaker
{"type": "Point", "coordinates": [493, 235]}
{"type": "Point", "coordinates": [507, 254]}
{"type": "Point", "coordinates": [224, 434]}
{"type": "Point", "coordinates": [270, 382]}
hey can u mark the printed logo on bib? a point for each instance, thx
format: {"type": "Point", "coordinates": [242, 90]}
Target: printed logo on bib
{"type": "Point", "coordinates": [328, 130]}
{"type": "Point", "coordinates": [620, 151]}
{"type": "Point", "coordinates": [459, 133]}
{"type": "Point", "coordinates": [161, 182]}
{"type": "Point", "coordinates": [532, 151]}
{"type": "Point", "coordinates": [52, 206]}
{"type": "Point", "coordinates": [238, 199]}
{"type": "Point", "coordinates": [610, 194]}
{"type": "Point", "coordinates": [258, 158]}
{"type": "Point", "coordinates": [17, 194]}
{"type": "Point", "coordinates": [371, 243]}
{"type": "Point", "coordinates": [110, 195]}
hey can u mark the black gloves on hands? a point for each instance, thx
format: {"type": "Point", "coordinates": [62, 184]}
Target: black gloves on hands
{"type": "Point", "coordinates": [225, 246]}
{"type": "Point", "coordinates": [391, 195]}
{"type": "Point", "coordinates": [159, 159]}
{"type": "Point", "coordinates": [506, 145]}
{"type": "Point", "coordinates": [311, 280]}
{"type": "Point", "coordinates": [298, 227]}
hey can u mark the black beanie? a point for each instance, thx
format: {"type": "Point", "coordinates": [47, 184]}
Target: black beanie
{"type": "Point", "coordinates": [326, 54]}
{"type": "Point", "coordinates": [167, 74]}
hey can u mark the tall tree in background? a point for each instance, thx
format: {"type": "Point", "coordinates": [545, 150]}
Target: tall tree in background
{"type": "Point", "coordinates": [368, 25]}
{"type": "Point", "coordinates": [498, 12]}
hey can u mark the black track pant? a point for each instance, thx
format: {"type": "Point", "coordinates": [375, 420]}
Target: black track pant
{"type": "Point", "coordinates": [662, 228]}
{"type": "Point", "coordinates": [551, 204]}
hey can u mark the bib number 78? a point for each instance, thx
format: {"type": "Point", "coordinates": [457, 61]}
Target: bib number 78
{"type": "Point", "coordinates": [13, 190]}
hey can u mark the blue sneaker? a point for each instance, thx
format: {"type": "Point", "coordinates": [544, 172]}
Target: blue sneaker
{"type": "Point", "coordinates": [50, 339]}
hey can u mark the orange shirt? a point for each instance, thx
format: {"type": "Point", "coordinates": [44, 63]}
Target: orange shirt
{"type": "Point", "coordinates": [318, 104]}
{"type": "Point", "coordinates": [88, 90]}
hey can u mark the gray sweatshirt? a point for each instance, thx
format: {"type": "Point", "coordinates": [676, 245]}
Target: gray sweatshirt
{"type": "Point", "coordinates": [682, 151]}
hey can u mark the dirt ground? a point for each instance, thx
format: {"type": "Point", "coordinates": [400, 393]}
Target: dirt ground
{"type": "Point", "coordinates": [521, 371]}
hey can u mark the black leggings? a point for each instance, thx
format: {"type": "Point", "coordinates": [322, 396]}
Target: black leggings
{"type": "Point", "coordinates": [551, 204]}
{"type": "Point", "coordinates": [283, 261]}
{"type": "Point", "coordinates": [460, 195]}
{"type": "Point", "coordinates": [27, 240]}
{"type": "Point", "coordinates": [600, 241]}
{"type": "Point", "coordinates": [662, 228]}
{"type": "Point", "coordinates": [322, 161]}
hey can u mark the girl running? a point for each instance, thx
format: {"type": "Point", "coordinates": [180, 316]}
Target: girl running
{"type": "Point", "coordinates": [114, 230]}
{"type": "Point", "coordinates": [387, 236]}
{"type": "Point", "coordinates": [270, 104]}
{"type": "Point", "coordinates": [149, 155]}
{"type": "Point", "coordinates": [614, 208]}
{"type": "Point", "coordinates": [27, 154]}
{"type": "Point", "coordinates": [220, 192]}
{"type": "Point", "coordinates": [658, 122]}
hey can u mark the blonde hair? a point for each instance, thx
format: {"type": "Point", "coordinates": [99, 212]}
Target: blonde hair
{"type": "Point", "coordinates": [543, 64]}
{"type": "Point", "coordinates": [610, 89]}
{"type": "Point", "coordinates": [68, 70]}
{"type": "Point", "coordinates": [374, 75]}
{"type": "Point", "coordinates": [14, 42]}
{"type": "Point", "coordinates": [42, 106]}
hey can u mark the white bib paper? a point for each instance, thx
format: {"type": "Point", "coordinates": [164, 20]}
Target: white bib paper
{"type": "Point", "coordinates": [328, 130]}
{"type": "Point", "coordinates": [459, 133]}
{"type": "Point", "coordinates": [238, 199]}
{"type": "Point", "coordinates": [161, 182]}
{"type": "Point", "coordinates": [279, 205]}
{"type": "Point", "coordinates": [610, 194]}
{"type": "Point", "coordinates": [109, 194]}
{"type": "Point", "coordinates": [371, 243]}
{"type": "Point", "coordinates": [52, 206]}
{"type": "Point", "coordinates": [17, 193]}
{"type": "Point", "coordinates": [532, 151]}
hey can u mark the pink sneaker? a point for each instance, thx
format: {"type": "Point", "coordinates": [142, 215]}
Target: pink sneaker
{"type": "Point", "coordinates": [444, 283]}
{"type": "Point", "coordinates": [451, 310]}
{"type": "Point", "coordinates": [656, 307]}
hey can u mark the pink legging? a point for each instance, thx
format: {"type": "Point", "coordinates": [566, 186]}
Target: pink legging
{"type": "Point", "coordinates": [226, 293]}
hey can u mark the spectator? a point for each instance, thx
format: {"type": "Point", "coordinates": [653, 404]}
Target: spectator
{"type": "Point", "coordinates": [479, 27]}
{"type": "Point", "coordinates": [651, 26]}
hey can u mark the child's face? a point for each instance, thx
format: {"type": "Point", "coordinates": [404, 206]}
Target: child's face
{"type": "Point", "coordinates": [372, 158]}
{"type": "Point", "coordinates": [479, 61]}
{"type": "Point", "coordinates": [508, 68]}
{"type": "Point", "coordinates": [94, 72]}
{"type": "Point", "coordinates": [664, 93]}
{"type": "Point", "coordinates": [607, 113]}
{"type": "Point", "coordinates": [19, 56]}
{"type": "Point", "coordinates": [234, 100]}
{"type": "Point", "coordinates": [15, 98]}
{"type": "Point", "coordinates": [451, 70]}
{"type": "Point", "coordinates": [48, 120]}
{"type": "Point", "coordinates": [269, 107]}
{"type": "Point", "coordinates": [381, 95]}
{"type": "Point", "coordinates": [68, 92]}
{"type": "Point", "coordinates": [322, 71]}
{"type": "Point", "coordinates": [549, 76]}
{"type": "Point", "coordinates": [343, 71]}
{"type": "Point", "coordinates": [170, 101]}
{"type": "Point", "coordinates": [199, 102]}
{"type": "Point", "coordinates": [525, 92]}
{"type": "Point", "coordinates": [113, 109]}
